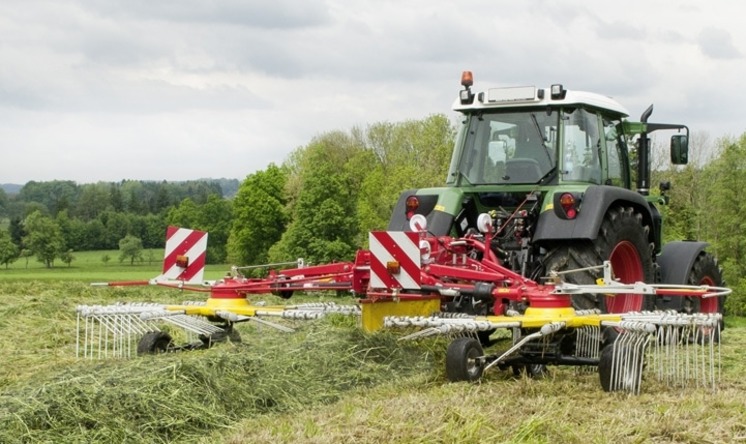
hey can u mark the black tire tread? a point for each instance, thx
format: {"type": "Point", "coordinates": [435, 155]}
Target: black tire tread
{"type": "Point", "coordinates": [457, 368]}
{"type": "Point", "coordinates": [154, 342]}
{"type": "Point", "coordinates": [620, 223]}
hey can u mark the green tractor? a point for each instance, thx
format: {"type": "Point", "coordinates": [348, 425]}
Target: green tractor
{"type": "Point", "coordinates": [553, 168]}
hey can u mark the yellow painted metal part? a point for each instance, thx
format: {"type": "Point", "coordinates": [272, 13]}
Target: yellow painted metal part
{"type": "Point", "coordinates": [538, 317]}
{"type": "Point", "coordinates": [239, 306]}
{"type": "Point", "coordinates": [373, 312]}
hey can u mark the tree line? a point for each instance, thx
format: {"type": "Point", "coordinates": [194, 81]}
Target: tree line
{"type": "Point", "coordinates": [321, 202]}
{"type": "Point", "coordinates": [50, 220]}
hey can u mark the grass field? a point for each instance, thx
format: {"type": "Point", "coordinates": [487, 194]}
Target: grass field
{"type": "Point", "coordinates": [89, 267]}
{"type": "Point", "coordinates": [327, 382]}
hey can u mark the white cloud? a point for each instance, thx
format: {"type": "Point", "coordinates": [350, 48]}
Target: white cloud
{"type": "Point", "coordinates": [97, 90]}
{"type": "Point", "coordinates": [717, 44]}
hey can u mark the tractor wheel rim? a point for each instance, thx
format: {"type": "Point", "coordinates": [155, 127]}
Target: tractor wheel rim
{"type": "Point", "coordinates": [708, 305]}
{"type": "Point", "coordinates": [627, 267]}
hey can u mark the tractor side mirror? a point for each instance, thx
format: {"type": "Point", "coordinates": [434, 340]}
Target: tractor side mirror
{"type": "Point", "coordinates": [679, 149]}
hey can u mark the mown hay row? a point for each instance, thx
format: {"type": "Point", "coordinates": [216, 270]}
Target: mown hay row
{"type": "Point", "coordinates": [183, 396]}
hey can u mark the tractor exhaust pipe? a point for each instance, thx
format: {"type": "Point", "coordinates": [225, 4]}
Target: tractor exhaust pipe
{"type": "Point", "coordinates": [643, 157]}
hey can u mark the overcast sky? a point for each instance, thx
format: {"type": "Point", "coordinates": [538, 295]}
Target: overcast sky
{"type": "Point", "coordinates": [96, 90]}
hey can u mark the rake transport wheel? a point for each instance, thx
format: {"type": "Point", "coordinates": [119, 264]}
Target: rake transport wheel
{"type": "Point", "coordinates": [534, 371]}
{"type": "Point", "coordinates": [622, 240]}
{"type": "Point", "coordinates": [705, 271]}
{"type": "Point", "coordinates": [277, 290]}
{"type": "Point", "coordinates": [461, 360]}
{"type": "Point", "coordinates": [229, 333]}
{"type": "Point", "coordinates": [154, 342]}
{"type": "Point", "coordinates": [628, 380]}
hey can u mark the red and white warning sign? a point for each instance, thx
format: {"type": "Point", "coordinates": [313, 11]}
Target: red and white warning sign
{"type": "Point", "coordinates": [185, 255]}
{"type": "Point", "coordinates": [395, 259]}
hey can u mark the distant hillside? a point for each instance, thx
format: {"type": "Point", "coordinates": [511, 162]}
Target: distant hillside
{"type": "Point", "coordinates": [228, 186]}
{"type": "Point", "coordinates": [13, 188]}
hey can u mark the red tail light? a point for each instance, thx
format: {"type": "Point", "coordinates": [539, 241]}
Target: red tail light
{"type": "Point", "coordinates": [568, 204]}
{"type": "Point", "coordinates": [412, 204]}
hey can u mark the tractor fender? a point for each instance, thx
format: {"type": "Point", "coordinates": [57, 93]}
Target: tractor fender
{"type": "Point", "coordinates": [439, 220]}
{"type": "Point", "coordinates": [675, 261]}
{"type": "Point", "coordinates": [595, 202]}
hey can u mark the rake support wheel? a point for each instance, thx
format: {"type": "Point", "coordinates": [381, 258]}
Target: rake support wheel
{"type": "Point", "coordinates": [154, 342]}
{"type": "Point", "coordinates": [705, 271]}
{"type": "Point", "coordinates": [619, 373]}
{"type": "Point", "coordinates": [462, 360]}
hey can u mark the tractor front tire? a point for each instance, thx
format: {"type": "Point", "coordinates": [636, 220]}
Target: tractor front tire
{"type": "Point", "coordinates": [154, 342]}
{"type": "Point", "coordinates": [622, 240]}
{"type": "Point", "coordinates": [462, 360]}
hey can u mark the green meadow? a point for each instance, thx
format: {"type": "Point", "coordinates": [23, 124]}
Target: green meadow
{"type": "Point", "coordinates": [328, 382]}
{"type": "Point", "coordinates": [88, 266]}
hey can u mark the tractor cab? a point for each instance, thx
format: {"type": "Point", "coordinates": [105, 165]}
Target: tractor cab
{"type": "Point", "coordinates": [535, 136]}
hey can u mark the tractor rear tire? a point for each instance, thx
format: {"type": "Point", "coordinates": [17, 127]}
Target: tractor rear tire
{"type": "Point", "coordinates": [462, 360]}
{"type": "Point", "coordinates": [154, 342]}
{"type": "Point", "coordinates": [706, 271]}
{"type": "Point", "coordinates": [622, 240]}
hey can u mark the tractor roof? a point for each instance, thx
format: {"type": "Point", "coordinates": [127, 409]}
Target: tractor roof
{"type": "Point", "coordinates": [530, 96]}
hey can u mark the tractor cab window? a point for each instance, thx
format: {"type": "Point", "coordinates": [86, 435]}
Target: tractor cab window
{"type": "Point", "coordinates": [581, 146]}
{"type": "Point", "coordinates": [616, 154]}
{"type": "Point", "coordinates": [515, 147]}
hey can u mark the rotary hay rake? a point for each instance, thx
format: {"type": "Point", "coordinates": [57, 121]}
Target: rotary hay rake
{"type": "Point", "coordinates": [431, 286]}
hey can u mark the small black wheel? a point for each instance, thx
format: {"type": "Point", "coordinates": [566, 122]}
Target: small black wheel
{"type": "Point", "coordinates": [285, 294]}
{"type": "Point", "coordinates": [626, 376]}
{"type": "Point", "coordinates": [462, 363]}
{"type": "Point", "coordinates": [154, 342]}
{"type": "Point", "coordinates": [228, 334]}
{"type": "Point", "coordinates": [537, 371]}
{"type": "Point", "coordinates": [534, 371]}
{"type": "Point", "coordinates": [484, 336]}
{"type": "Point", "coordinates": [705, 271]}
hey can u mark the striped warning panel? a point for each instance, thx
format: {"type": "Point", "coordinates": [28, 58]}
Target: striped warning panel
{"type": "Point", "coordinates": [185, 254]}
{"type": "Point", "coordinates": [394, 246]}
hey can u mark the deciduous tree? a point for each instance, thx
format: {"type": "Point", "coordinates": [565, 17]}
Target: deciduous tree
{"type": "Point", "coordinates": [130, 247]}
{"type": "Point", "coordinates": [259, 216]}
{"type": "Point", "coordinates": [44, 238]}
{"type": "Point", "coordinates": [8, 250]}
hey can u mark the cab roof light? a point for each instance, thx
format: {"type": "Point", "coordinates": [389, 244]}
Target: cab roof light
{"type": "Point", "coordinates": [465, 95]}
{"type": "Point", "coordinates": [558, 91]}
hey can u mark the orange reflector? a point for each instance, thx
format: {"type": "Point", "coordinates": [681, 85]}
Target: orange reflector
{"type": "Point", "coordinates": [393, 267]}
{"type": "Point", "coordinates": [182, 261]}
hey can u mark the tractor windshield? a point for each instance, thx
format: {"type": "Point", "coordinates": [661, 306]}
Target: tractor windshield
{"type": "Point", "coordinates": [509, 147]}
